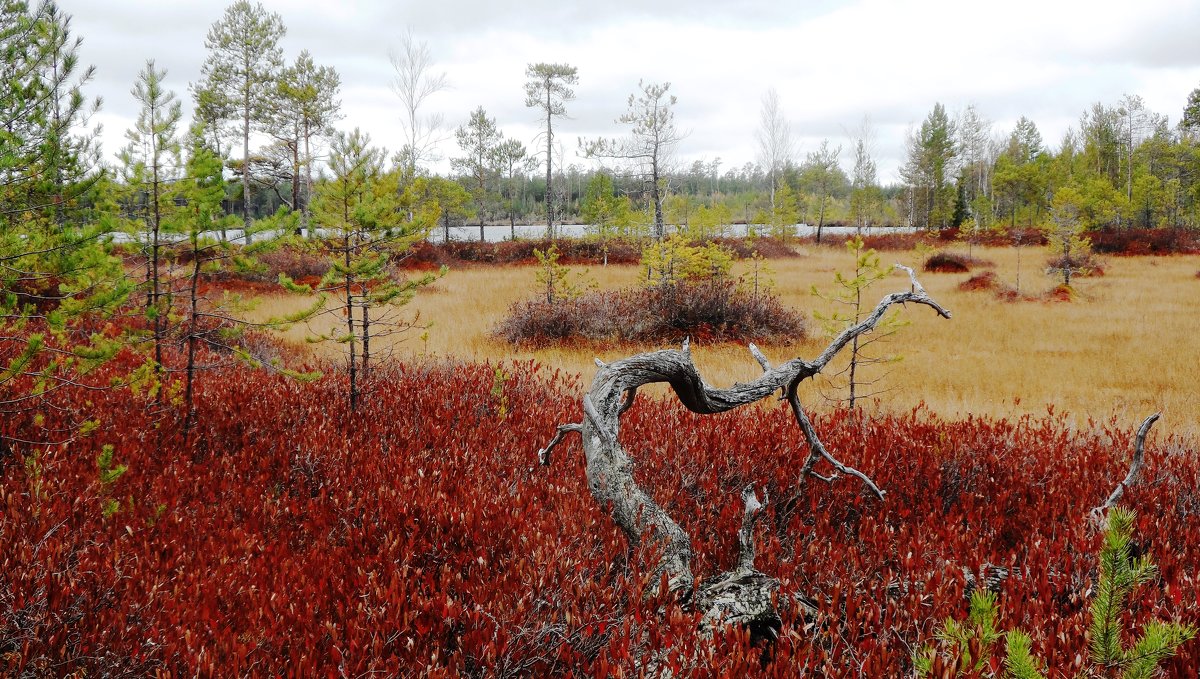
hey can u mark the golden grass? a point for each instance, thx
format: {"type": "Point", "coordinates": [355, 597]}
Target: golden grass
{"type": "Point", "coordinates": [1126, 347]}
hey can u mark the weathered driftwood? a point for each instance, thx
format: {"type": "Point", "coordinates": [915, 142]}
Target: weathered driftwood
{"type": "Point", "coordinates": [1099, 515]}
{"type": "Point", "coordinates": [742, 595]}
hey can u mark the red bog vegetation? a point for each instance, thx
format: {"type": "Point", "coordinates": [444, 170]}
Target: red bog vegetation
{"type": "Point", "coordinates": [981, 281]}
{"type": "Point", "coordinates": [714, 310]}
{"type": "Point", "coordinates": [1160, 241]}
{"type": "Point", "coordinates": [419, 536]}
{"type": "Point", "coordinates": [953, 262]}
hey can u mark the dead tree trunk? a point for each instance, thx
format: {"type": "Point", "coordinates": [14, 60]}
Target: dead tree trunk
{"type": "Point", "coordinates": [743, 595]}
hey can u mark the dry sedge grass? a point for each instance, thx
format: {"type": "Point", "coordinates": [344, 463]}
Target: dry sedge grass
{"type": "Point", "coordinates": [1126, 347]}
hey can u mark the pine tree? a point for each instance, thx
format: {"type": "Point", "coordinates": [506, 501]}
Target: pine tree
{"type": "Point", "coordinates": [848, 294]}
{"type": "Point", "coordinates": [56, 267]}
{"type": "Point", "coordinates": [150, 163]}
{"type": "Point", "coordinates": [240, 74]}
{"type": "Point", "coordinates": [370, 229]}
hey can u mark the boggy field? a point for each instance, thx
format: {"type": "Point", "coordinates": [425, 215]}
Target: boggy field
{"type": "Point", "coordinates": [1125, 347]}
{"type": "Point", "coordinates": [419, 536]}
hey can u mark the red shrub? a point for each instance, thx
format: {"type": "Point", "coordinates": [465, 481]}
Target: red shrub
{"type": "Point", "coordinates": [953, 262]}
{"type": "Point", "coordinates": [1162, 241]}
{"type": "Point", "coordinates": [707, 311]}
{"type": "Point", "coordinates": [1059, 293]}
{"type": "Point", "coordinates": [983, 281]}
{"type": "Point", "coordinates": [418, 536]}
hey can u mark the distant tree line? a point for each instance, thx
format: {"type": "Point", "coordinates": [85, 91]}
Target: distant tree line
{"type": "Point", "coordinates": [273, 122]}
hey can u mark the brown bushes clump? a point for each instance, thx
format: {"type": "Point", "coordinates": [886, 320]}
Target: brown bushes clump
{"type": "Point", "coordinates": [1162, 241]}
{"type": "Point", "coordinates": [710, 310]}
{"type": "Point", "coordinates": [983, 281]}
{"type": "Point", "coordinates": [571, 251]}
{"type": "Point", "coordinates": [1082, 265]}
{"type": "Point", "coordinates": [765, 246]}
{"type": "Point", "coordinates": [1059, 293]}
{"type": "Point", "coordinates": [952, 262]}
{"type": "Point", "coordinates": [296, 263]}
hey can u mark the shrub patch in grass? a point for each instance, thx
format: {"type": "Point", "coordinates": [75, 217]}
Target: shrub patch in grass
{"type": "Point", "coordinates": [953, 262]}
{"type": "Point", "coordinates": [708, 310]}
{"type": "Point", "coordinates": [982, 281]}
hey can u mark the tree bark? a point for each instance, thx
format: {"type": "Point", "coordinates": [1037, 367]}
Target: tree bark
{"type": "Point", "coordinates": [742, 595]}
{"type": "Point", "coordinates": [549, 167]}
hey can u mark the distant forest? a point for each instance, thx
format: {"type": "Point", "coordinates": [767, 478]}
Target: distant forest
{"type": "Point", "coordinates": [274, 123]}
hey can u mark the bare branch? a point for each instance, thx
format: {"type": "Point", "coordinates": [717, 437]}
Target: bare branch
{"type": "Point", "coordinates": [745, 562]}
{"type": "Point", "coordinates": [817, 448]}
{"type": "Point", "coordinates": [912, 276]}
{"type": "Point", "coordinates": [630, 395]}
{"type": "Point", "coordinates": [1135, 470]}
{"type": "Point", "coordinates": [760, 357]}
{"type": "Point", "coordinates": [543, 454]}
{"type": "Point", "coordinates": [743, 594]}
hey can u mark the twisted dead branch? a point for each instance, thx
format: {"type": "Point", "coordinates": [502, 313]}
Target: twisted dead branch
{"type": "Point", "coordinates": [743, 595]}
{"type": "Point", "coordinates": [1099, 515]}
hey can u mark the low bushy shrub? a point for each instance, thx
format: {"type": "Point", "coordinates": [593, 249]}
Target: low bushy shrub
{"type": "Point", "coordinates": [1163, 241]}
{"type": "Point", "coordinates": [982, 281]}
{"type": "Point", "coordinates": [710, 310]}
{"type": "Point", "coordinates": [298, 263]}
{"type": "Point", "coordinates": [1082, 264]}
{"type": "Point", "coordinates": [572, 251]}
{"type": "Point", "coordinates": [953, 262]}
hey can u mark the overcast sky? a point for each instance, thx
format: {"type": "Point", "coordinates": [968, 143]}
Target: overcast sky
{"type": "Point", "coordinates": [832, 62]}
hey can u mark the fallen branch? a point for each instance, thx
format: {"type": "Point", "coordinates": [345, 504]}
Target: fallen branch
{"type": "Point", "coordinates": [1099, 514]}
{"type": "Point", "coordinates": [563, 429]}
{"type": "Point", "coordinates": [744, 594]}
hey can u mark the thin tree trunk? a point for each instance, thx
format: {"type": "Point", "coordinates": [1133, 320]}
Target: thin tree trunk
{"type": "Point", "coordinates": [308, 182]}
{"type": "Point", "coordinates": [659, 227]}
{"type": "Point", "coordinates": [246, 162]}
{"type": "Point", "coordinates": [549, 170]}
{"type": "Point", "coordinates": [189, 418]}
{"type": "Point", "coordinates": [366, 332]}
{"type": "Point", "coordinates": [155, 292]}
{"type": "Point", "coordinates": [350, 331]}
{"type": "Point", "coordinates": [296, 184]}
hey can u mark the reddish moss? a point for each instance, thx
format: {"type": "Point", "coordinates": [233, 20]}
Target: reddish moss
{"type": "Point", "coordinates": [983, 281]}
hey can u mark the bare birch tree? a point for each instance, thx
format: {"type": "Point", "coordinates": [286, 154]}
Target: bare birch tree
{"type": "Point", "coordinates": [776, 146]}
{"type": "Point", "coordinates": [415, 81]}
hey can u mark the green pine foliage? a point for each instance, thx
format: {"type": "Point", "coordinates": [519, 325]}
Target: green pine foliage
{"type": "Point", "coordinates": [852, 306]}
{"type": "Point", "coordinates": [676, 259]}
{"type": "Point", "coordinates": [371, 226]}
{"type": "Point", "coordinates": [1019, 662]}
{"type": "Point", "coordinates": [57, 271]}
{"type": "Point", "coordinates": [1120, 574]}
{"type": "Point", "coordinates": [554, 279]}
{"type": "Point", "coordinates": [967, 646]}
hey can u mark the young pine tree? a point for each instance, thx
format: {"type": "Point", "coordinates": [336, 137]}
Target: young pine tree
{"type": "Point", "coordinates": [966, 647]}
{"type": "Point", "coordinates": [849, 296]}
{"type": "Point", "coordinates": [216, 322]}
{"type": "Point", "coordinates": [57, 270]}
{"type": "Point", "coordinates": [370, 229]}
{"type": "Point", "coordinates": [150, 165]}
